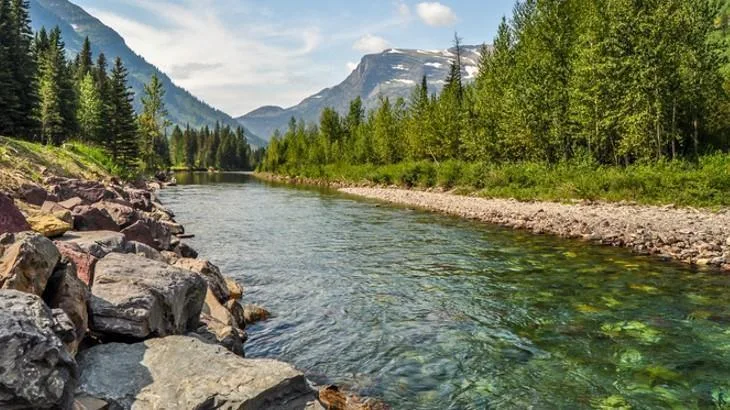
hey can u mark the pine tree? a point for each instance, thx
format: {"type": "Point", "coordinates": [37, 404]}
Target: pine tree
{"type": "Point", "coordinates": [9, 102]}
{"type": "Point", "coordinates": [153, 121]}
{"type": "Point", "coordinates": [122, 142]}
{"type": "Point", "coordinates": [23, 68]}
{"type": "Point", "coordinates": [89, 113]}
{"type": "Point", "coordinates": [101, 80]}
{"type": "Point", "coordinates": [84, 65]}
{"type": "Point", "coordinates": [51, 110]}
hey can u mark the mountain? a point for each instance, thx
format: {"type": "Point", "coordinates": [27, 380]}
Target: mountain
{"type": "Point", "coordinates": [75, 23]}
{"type": "Point", "coordinates": [393, 73]}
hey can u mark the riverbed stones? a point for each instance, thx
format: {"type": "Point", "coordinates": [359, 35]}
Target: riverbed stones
{"type": "Point", "coordinates": [11, 219]}
{"type": "Point", "coordinates": [211, 274]}
{"type": "Point", "coordinates": [67, 292]}
{"type": "Point", "coordinates": [36, 371]}
{"type": "Point", "coordinates": [136, 297]}
{"type": "Point", "coordinates": [179, 372]}
{"type": "Point", "coordinates": [27, 260]}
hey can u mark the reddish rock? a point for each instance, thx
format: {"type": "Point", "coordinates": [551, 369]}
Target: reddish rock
{"type": "Point", "coordinates": [83, 261]}
{"type": "Point", "coordinates": [50, 207]}
{"type": "Point", "coordinates": [11, 219]}
{"type": "Point", "coordinates": [87, 218]}
{"type": "Point", "coordinates": [122, 215]}
{"type": "Point", "coordinates": [71, 203]}
{"type": "Point", "coordinates": [32, 194]}
{"type": "Point", "coordinates": [149, 232]}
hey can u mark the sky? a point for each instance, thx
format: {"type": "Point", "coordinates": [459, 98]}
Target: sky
{"type": "Point", "coordinates": [238, 55]}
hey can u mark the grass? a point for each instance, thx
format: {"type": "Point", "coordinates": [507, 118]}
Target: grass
{"type": "Point", "coordinates": [23, 161]}
{"type": "Point", "coordinates": [703, 184]}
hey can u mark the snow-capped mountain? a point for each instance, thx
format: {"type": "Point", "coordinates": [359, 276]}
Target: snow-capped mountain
{"type": "Point", "coordinates": [393, 73]}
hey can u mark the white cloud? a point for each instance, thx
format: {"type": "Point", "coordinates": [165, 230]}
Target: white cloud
{"type": "Point", "coordinates": [371, 44]}
{"type": "Point", "coordinates": [351, 66]}
{"type": "Point", "coordinates": [436, 14]}
{"type": "Point", "coordinates": [403, 10]}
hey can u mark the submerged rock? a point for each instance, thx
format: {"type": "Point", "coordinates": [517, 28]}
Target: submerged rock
{"type": "Point", "coordinates": [253, 314]}
{"type": "Point", "coordinates": [136, 297]}
{"type": "Point", "coordinates": [27, 260]}
{"type": "Point", "coordinates": [234, 288]}
{"type": "Point", "coordinates": [36, 371]}
{"type": "Point", "coordinates": [179, 372]}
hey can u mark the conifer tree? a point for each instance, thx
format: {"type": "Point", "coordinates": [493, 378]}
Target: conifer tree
{"type": "Point", "coordinates": [122, 142]}
{"type": "Point", "coordinates": [89, 113]}
{"type": "Point", "coordinates": [155, 153]}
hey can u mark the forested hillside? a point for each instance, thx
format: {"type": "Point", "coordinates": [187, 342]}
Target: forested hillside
{"type": "Point", "coordinates": [609, 83]}
{"type": "Point", "coordinates": [47, 97]}
{"type": "Point", "coordinates": [76, 24]}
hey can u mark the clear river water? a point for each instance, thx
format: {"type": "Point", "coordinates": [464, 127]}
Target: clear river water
{"type": "Point", "coordinates": [427, 311]}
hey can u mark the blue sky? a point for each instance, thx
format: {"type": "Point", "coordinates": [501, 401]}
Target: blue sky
{"type": "Point", "coordinates": [240, 54]}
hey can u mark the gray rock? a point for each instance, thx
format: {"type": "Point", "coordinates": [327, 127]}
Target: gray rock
{"type": "Point", "coordinates": [149, 232]}
{"type": "Point", "coordinates": [179, 372]}
{"type": "Point", "coordinates": [147, 251]}
{"type": "Point", "coordinates": [136, 297]}
{"type": "Point", "coordinates": [122, 215]}
{"type": "Point", "coordinates": [36, 371]}
{"type": "Point", "coordinates": [27, 260]}
{"type": "Point", "coordinates": [65, 291]}
{"type": "Point", "coordinates": [96, 243]}
{"type": "Point", "coordinates": [210, 273]}
{"type": "Point", "coordinates": [88, 218]}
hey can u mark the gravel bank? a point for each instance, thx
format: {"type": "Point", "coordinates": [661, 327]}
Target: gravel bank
{"type": "Point", "coordinates": [692, 236]}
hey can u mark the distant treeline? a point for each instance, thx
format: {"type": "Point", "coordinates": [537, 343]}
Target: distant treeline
{"type": "Point", "coordinates": [220, 148]}
{"type": "Point", "coordinates": [47, 98]}
{"type": "Point", "coordinates": [610, 82]}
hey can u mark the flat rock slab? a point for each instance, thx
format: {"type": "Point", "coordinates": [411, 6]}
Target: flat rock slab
{"type": "Point", "coordinates": [136, 297]}
{"type": "Point", "coordinates": [180, 372]}
{"type": "Point", "coordinates": [36, 371]}
{"type": "Point", "coordinates": [96, 243]}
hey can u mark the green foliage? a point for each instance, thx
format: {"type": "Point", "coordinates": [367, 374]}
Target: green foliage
{"type": "Point", "coordinates": [154, 149]}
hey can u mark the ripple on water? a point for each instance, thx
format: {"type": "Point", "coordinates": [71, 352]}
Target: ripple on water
{"type": "Point", "coordinates": [431, 312]}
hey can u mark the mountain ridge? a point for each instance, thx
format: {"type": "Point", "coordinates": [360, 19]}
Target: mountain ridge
{"type": "Point", "coordinates": [76, 23]}
{"type": "Point", "coordinates": [392, 73]}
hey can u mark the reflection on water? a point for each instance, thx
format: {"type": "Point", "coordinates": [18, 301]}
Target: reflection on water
{"type": "Point", "coordinates": [431, 312]}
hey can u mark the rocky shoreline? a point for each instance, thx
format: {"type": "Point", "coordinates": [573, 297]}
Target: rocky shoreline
{"type": "Point", "coordinates": [691, 236]}
{"type": "Point", "coordinates": [103, 306]}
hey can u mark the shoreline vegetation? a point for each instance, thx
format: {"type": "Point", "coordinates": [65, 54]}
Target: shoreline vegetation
{"type": "Point", "coordinates": [692, 236]}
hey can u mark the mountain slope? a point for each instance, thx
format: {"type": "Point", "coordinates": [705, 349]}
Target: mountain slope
{"type": "Point", "coordinates": [75, 24]}
{"type": "Point", "coordinates": [393, 73]}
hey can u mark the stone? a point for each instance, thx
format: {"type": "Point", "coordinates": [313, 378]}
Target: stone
{"type": "Point", "coordinates": [214, 332]}
{"type": "Point", "coordinates": [148, 252]}
{"type": "Point", "coordinates": [136, 297]}
{"type": "Point", "coordinates": [169, 257]}
{"type": "Point", "coordinates": [332, 397]}
{"type": "Point", "coordinates": [36, 371]}
{"type": "Point", "coordinates": [71, 203]}
{"type": "Point", "coordinates": [96, 243]}
{"type": "Point", "coordinates": [32, 194]}
{"type": "Point", "coordinates": [253, 314]}
{"type": "Point", "coordinates": [64, 215]}
{"type": "Point", "coordinates": [122, 215]}
{"type": "Point", "coordinates": [89, 403]}
{"type": "Point", "coordinates": [27, 261]}
{"type": "Point", "coordinates": [89, 191]}
{"type": "Point", "coordinates": [88, 218]}
{"type": "Point", "coordinates": [211, 274]}
{"type": "Point", "coordinates": [236, 310]}
{"type": "Point", "coordinates": [149, 232]}
{"type": "Point", "coordinates": [180, 372]}
{"type": "Point", "coordinates": [234, 288]}
{"type": "Point", "coordinates": [11, 219]}
{"type": "Point", "coordinates": [139, 198]}
{"type": "Point", "coordinates": [173, 227]}
{"type": "Point", "coordinates": [48, 225]}
{"type": "Point", "coordinates": [50, 207]}
{"type": "Point", "coordinates": [83, 262]}
{"type": "Point", "coordinates": [185, 251]}
{"type": "Point", "coordinates": [67, 292]}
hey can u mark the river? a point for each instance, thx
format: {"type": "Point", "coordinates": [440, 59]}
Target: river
{"type": "Point", "coordinates": [431, 312]}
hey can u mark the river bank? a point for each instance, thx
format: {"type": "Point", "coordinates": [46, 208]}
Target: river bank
{"type": "Point", "coordinates": [693, 236]}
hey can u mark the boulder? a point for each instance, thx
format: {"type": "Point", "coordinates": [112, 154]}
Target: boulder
{"type": "Point", "coordinates": [11, 219]}
{"type": "Point", "coordinates": [65, 215]}
{"type": "Point", "coordinates": [88, 191]}
{"type": "Point", "coordinates": [82, 261]}
{"type": "Point", "coordinates": [169, 257]}
{"type": "Point", "coordinates": [71, 203]}
{"type": "Point", "coordinates": [211, 274]}
{"type": "Point", "coordinates": [122, 215]}
{"type": "Point", "coordinates": [149, 232]}
{"type": "Point", "coordinates": [214, 332]}
{"type": "Point", "coordinates": [27, 260]}
{"type": "Point", "coordinates": [237, 312]}
{"type": "Point", "coordinates": [332, 397]}
{"type": "Point", "coordinates": [48, 225]}
{"type": "Point", "coordinates": [180, 372]}
{"type": "Point", "coordinates": [139, 198]}
{"type": "Point", "coordinates": [36, 371]}
{"type": "Point", "coordinates": [173, 227]}
{"type": "Point", "coordinates": [50, 207]}
{"type": "Point", "coordinates": [234, 288]}
{"type": "Point", "coordinates": [32, 194]}
{"type": "Point", "coordinates": [141, 249]}
{"type": "Point", "coordinates": [89, 403]}
{"type": "Point", "coordinates": [185, 251]}
{"type": "Point", "coordinates": [96, 243]}
{"type": "Point", "coordinates": [88, 218]}
{"type": "Point", "coordinates": [136, 297]}
{"type": "Point", "coordinates": [67, 292]}
{"type": "Point", "coordinates": [253, 314]}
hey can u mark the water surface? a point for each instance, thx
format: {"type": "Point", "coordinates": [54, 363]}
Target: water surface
{"type": "Point", "coordinates": [432, 312]}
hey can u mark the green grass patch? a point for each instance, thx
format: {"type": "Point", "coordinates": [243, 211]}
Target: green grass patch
{"type": "Point", "coordinates": [705, 183]}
